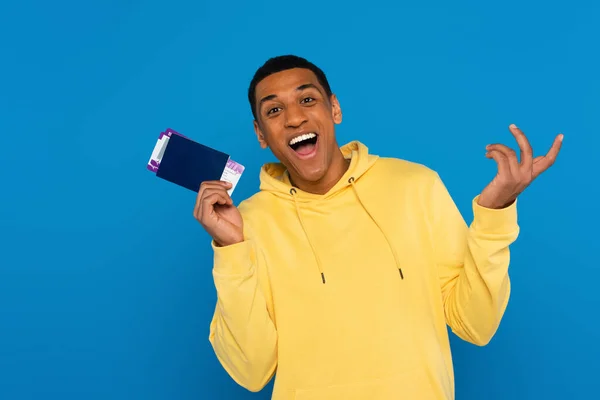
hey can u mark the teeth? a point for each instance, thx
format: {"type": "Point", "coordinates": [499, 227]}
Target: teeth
{"type": "Point", "coordinates": [300, 138]}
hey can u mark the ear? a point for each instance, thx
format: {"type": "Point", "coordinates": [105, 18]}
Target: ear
{"type": "Point", "coordinates": [336, 110]}
{"type": "Point", "coordinates": [260, 135]}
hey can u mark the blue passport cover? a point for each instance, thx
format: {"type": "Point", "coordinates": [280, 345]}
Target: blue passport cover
{"type": "Point", "coordinates": [187, 163]}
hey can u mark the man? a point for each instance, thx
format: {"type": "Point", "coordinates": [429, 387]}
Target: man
{"type": "Point", "coordinates": [343, 271]}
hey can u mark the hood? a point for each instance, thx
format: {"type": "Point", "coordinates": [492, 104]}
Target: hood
{"type": "Point", "coordinates": [274, 177]}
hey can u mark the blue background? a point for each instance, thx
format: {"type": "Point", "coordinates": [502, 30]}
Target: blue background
{"type": "Point", "coordinates": [105, 278]}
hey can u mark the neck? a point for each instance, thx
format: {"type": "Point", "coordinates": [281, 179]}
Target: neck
{"type": "Point", "coordinates": [337, 169]}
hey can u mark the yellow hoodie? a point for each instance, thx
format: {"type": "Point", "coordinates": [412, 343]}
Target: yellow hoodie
{"type": "Point", "coordinates": [347, 295]}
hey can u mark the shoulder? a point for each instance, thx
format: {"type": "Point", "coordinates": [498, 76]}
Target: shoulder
{"type": "Point", "coordinates": [256, 202]}
{"type": "Point", "coordinates": [262, 213]}
{"type": "Point", "coordinates": [404, 171]}
{"type": "Point", "coordinates": [259, 208]}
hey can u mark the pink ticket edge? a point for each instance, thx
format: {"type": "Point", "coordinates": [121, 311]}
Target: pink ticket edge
{"type": "Point", "coordinates": [234, 166]}
{"type": "Point", "coordinates": [168, 132]}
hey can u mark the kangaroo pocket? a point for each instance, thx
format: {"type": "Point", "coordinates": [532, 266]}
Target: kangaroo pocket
{"type": "Point", "coordinates": [406, 386]}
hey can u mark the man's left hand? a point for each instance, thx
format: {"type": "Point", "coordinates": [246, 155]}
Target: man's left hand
{"type": "Point", "coordinates": [514, 176]}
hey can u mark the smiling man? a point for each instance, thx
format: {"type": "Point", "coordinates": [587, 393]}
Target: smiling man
{"type": "Point", "coordinates": [342, 273]}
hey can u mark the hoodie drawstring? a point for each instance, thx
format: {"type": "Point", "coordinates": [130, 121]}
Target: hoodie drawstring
{"type": "Point", "coordinates": [351, 182]}
{"type": "Point", "coordinates": [319, 264]}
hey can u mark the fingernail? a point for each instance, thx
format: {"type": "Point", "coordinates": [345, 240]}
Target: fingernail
{"type": "Point", "coordinates": [561, 137]}
{"type": "Point", "coordinates": [513, 126]}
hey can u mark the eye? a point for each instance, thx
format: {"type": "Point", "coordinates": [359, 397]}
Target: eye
{"type": "Point", "coordinates": [307, 100]}
{"type": "Point", "coordinates": [272, 110]}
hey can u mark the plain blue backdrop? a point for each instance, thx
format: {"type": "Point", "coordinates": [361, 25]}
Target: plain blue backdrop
{"type": "Point", "coordinates": [105, 278]}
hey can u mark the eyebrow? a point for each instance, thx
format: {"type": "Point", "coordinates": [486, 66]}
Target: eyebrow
{"type": "Point", "coordinates": [299, 88]}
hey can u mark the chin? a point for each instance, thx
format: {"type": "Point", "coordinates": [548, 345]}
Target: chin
{"type": "Point", "coordinates": [313, 175]}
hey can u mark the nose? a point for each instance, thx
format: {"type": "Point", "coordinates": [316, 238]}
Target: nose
{"type": "Point", "coordinates": [294, 116]}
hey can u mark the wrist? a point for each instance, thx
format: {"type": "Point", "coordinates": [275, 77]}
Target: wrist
{"type": "Point", "coordinates": [495, 205]}
{"type": "Point", "coordinates": [496, 221]}
{"type": "Point", "coordinates": [230, 242]}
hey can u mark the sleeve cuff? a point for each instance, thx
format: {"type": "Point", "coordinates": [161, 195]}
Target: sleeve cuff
{"type": "Point", "coordinates": [235, 259]}
{"type": "Point", "coordinates": [495, 221]}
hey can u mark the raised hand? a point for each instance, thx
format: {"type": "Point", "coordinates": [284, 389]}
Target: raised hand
{"type": "Point", "coordinates": [513, 176]}
{"type": "Point", "coordinates": [216, 213]}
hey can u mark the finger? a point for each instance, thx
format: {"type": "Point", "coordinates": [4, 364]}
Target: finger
{"type": "Point", "coordinates": [203, 205]}
{"type": "Point", "coordinates": [501, 160]}
{"type": "Point", "coordinates": [553, 152]}
{"type": "Point", "coordinates": [203, 187]}
{"type": "Point", "coordinates": [214, 184]}
{"type": "Point", "coordinates": [511, 156]}
{"type": "Point", "coordinates": [211, 199]}
{"type": "Point", "coordinates": [524, 146]}
{"type": "Point", "coordinates": [545, 162]}
{"type": "Point", "coordinates": [211, 191]}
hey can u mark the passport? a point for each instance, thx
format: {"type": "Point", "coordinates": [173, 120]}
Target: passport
{"type": "Point", "coordinates": [187, 163]}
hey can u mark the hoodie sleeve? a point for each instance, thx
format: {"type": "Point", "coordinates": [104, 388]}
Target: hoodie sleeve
{"type": "Point", "coordinates": [242, 331]}
{"type": "Point", "coordinates": [472, 264]}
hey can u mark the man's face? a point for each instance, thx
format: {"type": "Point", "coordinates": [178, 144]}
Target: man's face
{"type": "Point", "coordinates": [296, 120]}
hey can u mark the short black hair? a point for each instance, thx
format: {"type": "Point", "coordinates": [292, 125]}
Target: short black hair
{"type": "Point", "coordinates": [282, 63]}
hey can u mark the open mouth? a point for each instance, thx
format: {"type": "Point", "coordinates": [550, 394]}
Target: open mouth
{"type": "Point", "coordinates": [304, 144]}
